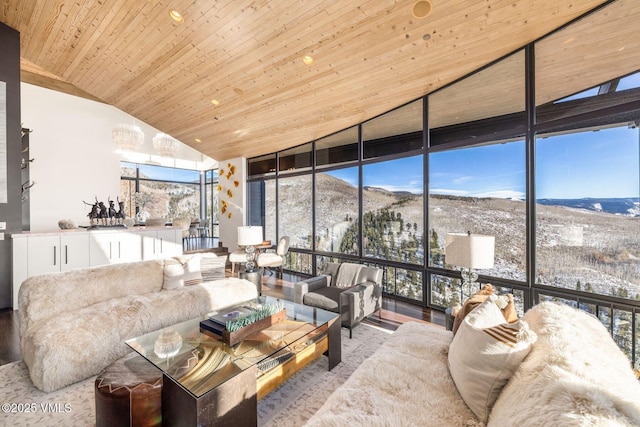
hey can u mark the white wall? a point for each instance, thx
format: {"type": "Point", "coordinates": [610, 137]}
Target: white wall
{"type": "Point", "coordinates": [75, 158]}
{"type": "Point", "coordinates": [235, 214]}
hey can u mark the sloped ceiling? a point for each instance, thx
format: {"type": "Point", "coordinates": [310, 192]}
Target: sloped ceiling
{"type": "Point", "coordinates": [369, 57]}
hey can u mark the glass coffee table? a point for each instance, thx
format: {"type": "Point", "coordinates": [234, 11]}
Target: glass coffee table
{"type": "Point", "coordinates": [207, 382]}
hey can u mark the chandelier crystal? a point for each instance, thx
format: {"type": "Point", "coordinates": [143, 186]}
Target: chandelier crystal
{"type": "Point", "coordinates": [128, 137]}
{"type": "Point", "coordinates": [165, 145]}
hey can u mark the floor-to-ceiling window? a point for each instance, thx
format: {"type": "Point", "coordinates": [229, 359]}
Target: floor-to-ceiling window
{"type": "Point", "coordinates": [151, 191]}
{"type": "Point", "coordinates": [337, 226]}
{"type": "Point", "coordinates": [539, 149]}
{"type": "Point", "coordinates": [212, 205]}
{"type": "Point", "coordinates": [477, 173]}
{"type": "Point", "coordinates": [587, 170]}
{"type": "Point", "coordinates": [392, 198]}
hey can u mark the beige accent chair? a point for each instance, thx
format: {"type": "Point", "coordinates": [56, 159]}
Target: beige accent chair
{"type": "Point", "coordinates": [183, 224]}
{"type": "Point", "coordinates": [274, 259]}
{"type": "Point", "coordinates": [352, 290]}
{"type": "Point", "coordinates": [237, 257]}
{"type": "Point", "coordinates": [155, 222]}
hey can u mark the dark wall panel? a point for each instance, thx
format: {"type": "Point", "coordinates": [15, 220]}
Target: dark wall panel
{"type": "Point", "coordinates": [11, 212]}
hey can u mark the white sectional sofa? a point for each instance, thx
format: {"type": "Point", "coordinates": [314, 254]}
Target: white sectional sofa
{"type": "Point", "coordinates": [74, 324]}
{"type": "Point", "coordinates": [574, 375]}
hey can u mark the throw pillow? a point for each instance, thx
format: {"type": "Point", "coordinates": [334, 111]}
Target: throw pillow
{"type": "Point", "coordinates": [212, 267]}
{"type": "Point", "coordinates": [181, 271]}
{"type": "Point", "coordinates": [485, 353]}
{"type": "Point", "coordinates": [504, 302]}
{"type": "Point", "coordinates": [472, 302]}
{"type": "Point", "coordinates": [509, 310]}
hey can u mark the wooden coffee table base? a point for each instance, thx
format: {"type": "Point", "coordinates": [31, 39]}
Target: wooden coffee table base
{"type": "Point", "coordinates": [234, 403]}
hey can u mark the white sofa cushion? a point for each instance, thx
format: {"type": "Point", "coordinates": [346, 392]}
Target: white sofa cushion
{"type": "Point", "coordinates": [575, 375]}
{"type": "Point", "coordinates": [212, 266]}
{"type": "Point", "coordinates": [484, 354]}
{"type": "Point", "coordinates": [404, 383]}
{"type": "Point", "coordinates": [73, 345]}
{"type": "Point", "coordinates": [181, 271]}
{"type": "Point", "coordinates": [43, 297]}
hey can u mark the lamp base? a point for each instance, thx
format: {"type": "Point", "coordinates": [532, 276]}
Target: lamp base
{"type": "Point", "coordinates": [251, 257]}
{"type": "Point", "coordinates": [469, 284]}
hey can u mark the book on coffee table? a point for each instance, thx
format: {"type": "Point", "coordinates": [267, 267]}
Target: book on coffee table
{"type": "Point", "coordinates": [229, 315]}
{"type": "Point", "coordinates": [211, 326]}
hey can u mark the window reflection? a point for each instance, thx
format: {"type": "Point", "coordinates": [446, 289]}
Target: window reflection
{"type": "Point", "coordinates": [340, 147]}
{"type": "Point", "coordinates": [398, 131]}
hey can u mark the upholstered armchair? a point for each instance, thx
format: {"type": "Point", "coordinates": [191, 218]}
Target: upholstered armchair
{"type": "Point", "coordinates": [352, 290]}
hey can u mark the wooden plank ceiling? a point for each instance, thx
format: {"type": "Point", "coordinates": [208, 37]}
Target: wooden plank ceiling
{"type": "Point", "coordinates": [369, 57]}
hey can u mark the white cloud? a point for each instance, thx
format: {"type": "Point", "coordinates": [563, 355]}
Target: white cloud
{"type": "Point", "coordinates": [502, 194]}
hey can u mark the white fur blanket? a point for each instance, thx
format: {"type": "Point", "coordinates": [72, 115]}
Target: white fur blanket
{"type": "Point", "coordinates": [404, 383]}
{"type": "Point", "coordinates": [575, 375]}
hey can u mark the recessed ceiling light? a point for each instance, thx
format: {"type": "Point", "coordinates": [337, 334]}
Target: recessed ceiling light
{"type": "Point", "coordinates": [198, 140]}
{"type": "Point", "coordinates": [238, 91]}
{"type": "Point", "coordinates": [176, 16]}
{"type": "Point", "coordinates": [215, 102]}
{"type": "Point", "coordinates": [426, 37]}
{"type": "Point", "coordinates": [307, 59]}
{"type": "Point", "coordinates": [422, 8]}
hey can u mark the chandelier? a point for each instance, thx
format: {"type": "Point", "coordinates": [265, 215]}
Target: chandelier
{"type": "Point", "coordinates": [127, 137]}
{"type": "Point", "coordinates": [165, 145]}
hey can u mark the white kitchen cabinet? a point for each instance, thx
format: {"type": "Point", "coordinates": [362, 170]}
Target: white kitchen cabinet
{"type": "Point", "coordinates": [114, 247]}
{"type": "Point", "coordinates": [161, 243]}
{"type": "Point", "coordinates": [51, 253]}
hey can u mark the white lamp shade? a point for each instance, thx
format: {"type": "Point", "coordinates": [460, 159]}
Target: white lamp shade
{"type": "Point", "coordinates": [469, 250]}
{"type": "Point", "coordinates": [250, 235]}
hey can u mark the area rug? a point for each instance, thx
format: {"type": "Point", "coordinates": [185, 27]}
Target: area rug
{"type": "Point", "coordinates": [291, 404]}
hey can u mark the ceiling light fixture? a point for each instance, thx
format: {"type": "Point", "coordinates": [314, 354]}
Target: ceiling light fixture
{"type": "Point", "coordinates": [307, 59]}
{"type": "Point", "coordinates": [176, 16]}
{"type": "Point", "coordinates": [127, 137]}
{"type": "Point", "coordinates": [198, 140]}
{"type": "Point", "coordinates": [422, 8]}
{"type": "Point", "coordinates": [215, 102]}
{"type": "Point", "coordinates": [165, 145]}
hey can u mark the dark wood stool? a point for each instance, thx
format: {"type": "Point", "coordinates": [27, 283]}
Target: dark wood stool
{"type": "Point", "coordinates": [129, 393]}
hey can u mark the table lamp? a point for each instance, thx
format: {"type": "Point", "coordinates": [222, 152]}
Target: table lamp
{"type": "Point", "coordinates": [469, 251]}
{"type": "Point", "coordinates": [248, 236]}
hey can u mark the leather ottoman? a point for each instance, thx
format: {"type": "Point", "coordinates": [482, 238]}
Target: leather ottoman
{"type": "Point", "coordinates": [129, 393]}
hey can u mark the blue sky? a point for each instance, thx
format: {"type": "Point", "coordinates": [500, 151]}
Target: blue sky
{"type": "Point", "coordinates": [170, 174]}
{"type": "Point", "coordinates": [598, 164]}
{"type": "Point", "coordinates": [603, 164]}
{"type": "Point", "coordinates": [490, 171]}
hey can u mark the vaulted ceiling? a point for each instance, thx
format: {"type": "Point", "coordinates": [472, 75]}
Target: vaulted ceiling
{"type": "Point", "coordinates": [246, 56]}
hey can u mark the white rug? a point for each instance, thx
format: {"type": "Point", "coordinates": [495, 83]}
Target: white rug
{"type": "Point", "coordinates": [290, 404]}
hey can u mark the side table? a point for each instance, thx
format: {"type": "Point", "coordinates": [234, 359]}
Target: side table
{"type": "Point", "coordinates": [254, 276]}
